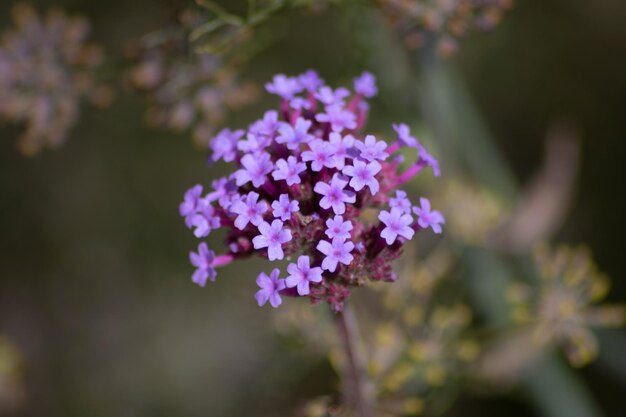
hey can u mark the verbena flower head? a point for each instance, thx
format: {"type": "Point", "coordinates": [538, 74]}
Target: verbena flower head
{"type": "Point", "coordinates": [301, 179]}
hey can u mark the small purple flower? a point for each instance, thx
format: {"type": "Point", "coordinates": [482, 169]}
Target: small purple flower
{"type": "Point", "coordinates": [334, 195]}
{"type": "Point", "coordinates": [337, 252]}
{"type": "Point", "coordinates": [203, 261]}
{"type": "Point", "coordinates": [224, 190]}
{"type": "Point", "coordinates": [337, 228]}
{"type": "Point", "coordinates": [301, 275]}
{"type": "Point", "coordinates": [293, 136]}
{"type": "Point", "coordinates": [329, 97]}
{"type": "Point", "coordinates": [428, 160]}
{"type": "Point", "coordinates": [266, 126]}
{"type": "Point", "coordinates": [299, 103]}
{"type": "Point", "coordinates": [310, 81]}
{"type": "Point", "coordinates": [365, 85]}
{"type": "Point", "coordinates": [338, 118]}
{"type": "Point", "coordinates": [401, 201]}
{"type": "Point", "coordinates": [289, 170]}
{"type": "Point", "coordinates": [224, 145]}
{"type": "Point", "coordinates": [204, 220]}
{"type": "Point", "coordinates": [320, 155]}
{"type": "Point", "coordinates": [371, 149]}
{"type": "Point", "coordinates": [398, 224]}
{"type": "Point", "coordinates": [341, 147]}
{"type": "Point", "coordinates": [254, 143]}
{"type": "Point", "coordinates": [283, 86]}
{"type": "Point", "coordinates": [190, 203]}
{"type": "Point", "coordinates": [283, 207]}
{"type": "Point", "coordinates": [255, 169]}
{"type": "Point", "coordinates": [248, 210]}
{"type": "Point", "coordinates": [427, 217]}
{"type": "Point", "coordinates": [404, 135]}
{"type": "Point", "coordinates": [270, 288]}
{"type": "Point", "coordinates": [363, 174]}
{"type": "Point", "coordinates": [272, 237]}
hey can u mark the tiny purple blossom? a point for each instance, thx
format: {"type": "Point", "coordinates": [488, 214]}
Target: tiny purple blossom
{"type": "Point", "coordinates": [293, 136]}
{"type": "Point", "coordinates": [401, 201]}
{"type": "Point", "coordinates": [248, 210]}
{"type": "Point", "coordinates": [254, 143]}
{"type": "Point", "coordinates": [338, 118]}
{"type": "Point", "coordinates": [299, 103]}
{"type": "Point", "coordinates": [190, 203]}
{"type": "Point", "coordinates": [203, 261]}
{"type": "Point", "coordinates": [329, 97]}
{"type": "Point", "coordinates": [337, 228]}
{"type": "Point", "coordinates": [289, 170]}
{"type": "Point", "coordinates": [301, 275]}
{"type": "Point", "coordinates": [341, 147]}
{"type": "Point", "coordinates": [283, 207]}
{"type": "Point", "coordinates": [224, 190]}
{"type": "Point", "coordinates": [365, 85]}
{"type": "Point", "coordinates": [363, 175]}
{"type": "Point", "coordinates": [224, 145]}
{"type": "Point", "coordinates": [266, 126]}
{"type": "Point", "coordinates": [334, 195]}
{"type": "Point", "coordinates": [270, 288]}
{"type": "Point", "coordinates": [397, 224]}
{"type": "Point", "coordinates": [320, 155]}
{"type": "Point", "coordinates": [404, 135]}
{"type": "Point", "coordinates": [371, 149]}
{"type": "Point", "coordinates": [204, 220]}
{"type": "Point", "coordinates": [272, 237]}
{"type": "Point", "coordinates": [255, 169]}
{"type": "Point", "coordinates": [336, 252]}
{"type": "Point", "coordinates": [427, 217]}
{"type": "Point", "coordinates": [310, 81]}
{"type": "Point", "coordinates": [283, 86]}
{"type": "Point", "coordinates": [429, 160]}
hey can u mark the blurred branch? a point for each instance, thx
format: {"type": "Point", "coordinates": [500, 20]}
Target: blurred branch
{"type": "Point", "coordinates": [545, 202]}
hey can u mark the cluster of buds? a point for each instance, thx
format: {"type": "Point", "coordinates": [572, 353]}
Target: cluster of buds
{"type": "Point", "coordinates": [303, 183]}
{"type": "Point", "coordinates": [562, 308]}
{"type": "Point", "coordinates": [186, 90]}
{"type": "Point", "coordinates": [46, 69]}
{"type": "Point", "coordinates": [445, 20]}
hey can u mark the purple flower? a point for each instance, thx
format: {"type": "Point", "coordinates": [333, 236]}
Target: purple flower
{"type": "Point", "coordinates": [248, 210]}
{"type": "Point", "coordinates": [334, 194]}
{"type": "Point", "coordinates": [293, 136]}
{"type": "Point", "coordinates": [337, 252]}
{"type": "Point", "coordinates": [427, 217]}
{"type": "Point", "coordinates": [310, 81]}
{"type": "Point", "coordinates": [254, 143]}
{"type": "Point", "coordinates": [371, 149]}
{"type": "Point", "coordinates": [404, 135]}
{"type": "Point", "coordinates": [224, 145]}
{"type": "Point", "coordinates": [338, 118]}
{"type": "Point", "coordinates": [204, 220]}
{"type": "Point", "coordinates": [428, 160]}
{"type": "Point", "coordinates": [299, 103]}
{"type": "Point", "coordinates": [283, 86]}
{"type": "Point", "coordinates": [289, 170]}
{"type": "Point", "coordinates": [363, 174]}
{"type": "Point", "coordinates": [255, 169]}
{"type": "Point", "coordinates": [341, 146]}
{"type": "Point", "coordinates": [365, 85]}
{"type": "Point", "coordinates": [266, 126]}
{"type": "Point", "coordinates": [224, 191]}
{"type": "Point", "coordinates": [270, 288]}
{"type": "Point", "coordinates": [301, 275]}
{"type": "Point", "coordinates": [283, 207]}
{"type": "Point", "coordinates": [398, 224]}
{"type": "Point", "coordinates": [203, 261]}
{"type": "Point", "coordinates": [329, 97]}
{"type": "Point", "coordinates": [320, 155]}
{"type": "Point", "coordinates": [337, 228]}
{"type": "Point", "coordinates": [190, 203]}
{"type": "Point", "coordinates": [272, 237]}
{"type": "Point", "coordinates": [401, 201]}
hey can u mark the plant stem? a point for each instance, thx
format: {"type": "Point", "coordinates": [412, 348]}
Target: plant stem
{"type": "Point", "coordinates": [357, 390]}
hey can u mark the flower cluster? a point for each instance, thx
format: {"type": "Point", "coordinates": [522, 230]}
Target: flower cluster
{"type": "Point", "coordinates": [46, 69]}
{"type": "Point", "coordinates": [303, 177]}
{"type": "Point", "coordinates": [445, 20]}
{"type": "Point", "coordinates": [186, 90]}
{"type": "Point", "coordinates": [562, 308]}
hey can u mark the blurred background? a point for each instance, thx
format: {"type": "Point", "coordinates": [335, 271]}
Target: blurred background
{"type": "Point", "coordinates": [98, 315]}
